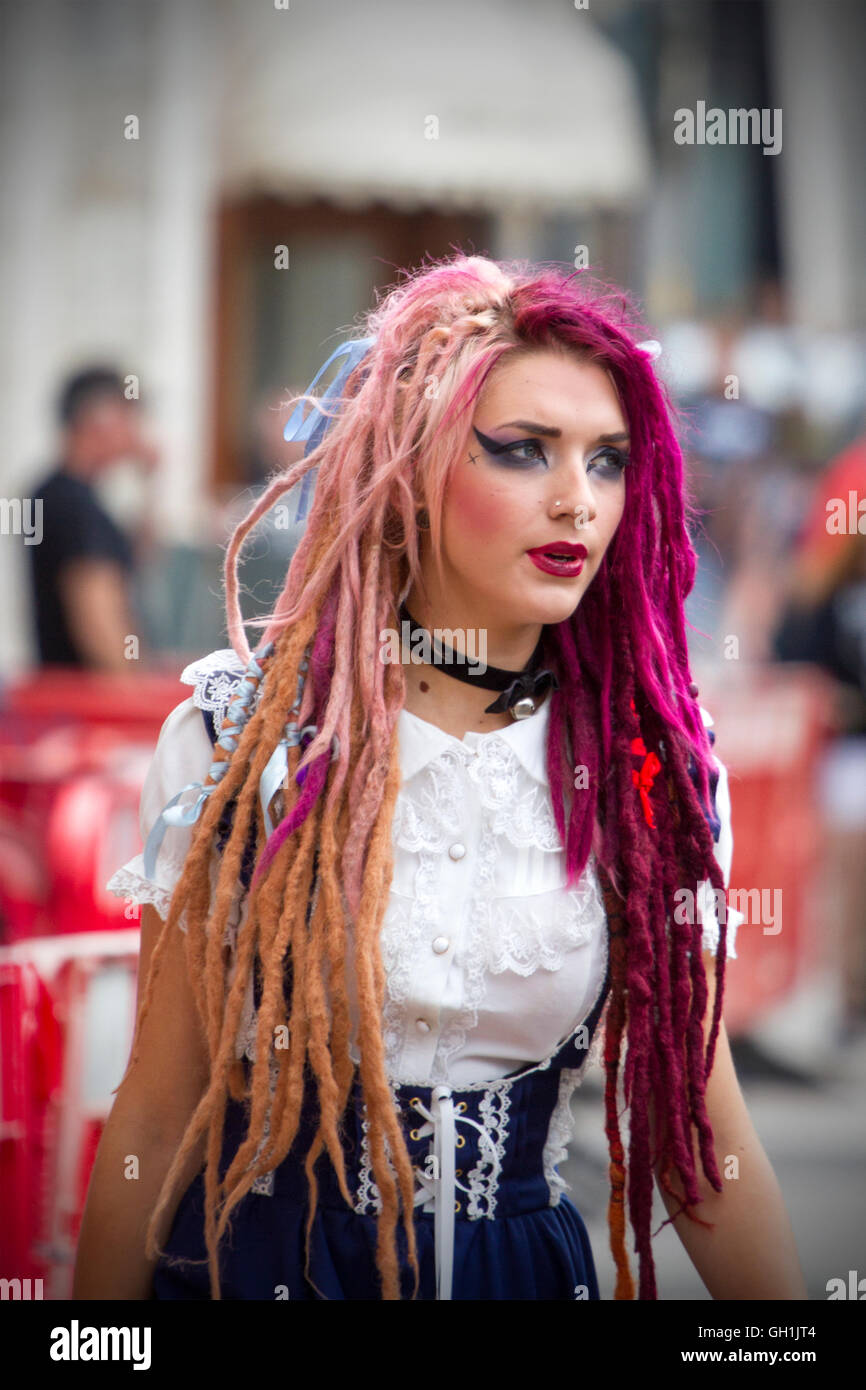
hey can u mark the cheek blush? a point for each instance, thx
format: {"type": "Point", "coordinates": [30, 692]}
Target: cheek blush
{"type": "Point", "coordinates": [481, 508]}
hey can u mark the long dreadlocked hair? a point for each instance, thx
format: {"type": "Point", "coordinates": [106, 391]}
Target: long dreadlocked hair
{"type": "Point", "coordinates": [323, 875]}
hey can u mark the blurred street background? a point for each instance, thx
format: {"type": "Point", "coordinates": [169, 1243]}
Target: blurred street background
{"type": "Point", "coordinates": [200, 196]}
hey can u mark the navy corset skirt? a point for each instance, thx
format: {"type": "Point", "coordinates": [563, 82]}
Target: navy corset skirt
{"type": "Point", "coordinates": [489, 1222]}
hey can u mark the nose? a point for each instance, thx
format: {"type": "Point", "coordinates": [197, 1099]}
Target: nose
{"type": "Point", "coordinates": [577, 499]}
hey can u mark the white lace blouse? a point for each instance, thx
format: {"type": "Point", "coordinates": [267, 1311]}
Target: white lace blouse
{"type": "Point", "coordinates": [491, 961]}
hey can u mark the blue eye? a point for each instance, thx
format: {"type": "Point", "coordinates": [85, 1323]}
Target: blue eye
{"type": "Point", "coordinates": [503, 453]}
{"type": "Point", "coordinates": [614, 462]}
{"type": "Point", "coordinates": [525, 444]}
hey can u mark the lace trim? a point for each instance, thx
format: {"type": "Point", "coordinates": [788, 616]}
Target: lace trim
{"type": "Point", "coordinates": [405, 925]}
{"type": "Point", "coordinates": [591, 916]}
{"type": "Point", "coordinates": [484, 1178]}
{"type": "Point", "coordinates": [368, 1198]}
{"type": "Point", "coordinates": [134, 888]}
{"type": "Point", "coordinates": [215, 677]}
{"type": "Point", "coordinates": [519, 809]}
{"type": "Point", "coordinates": [246, 1039]}
{"type": "Point", "coordinates": [517, 934]}
{"type": "Point", "coordinates": [263, 1185]}
{"type": "Point", "coordinates": [560, 1133]}
{"type": "Point", "coordinates": [525, 935]}
{"type": "Point", "coordinates": [561, 1130]}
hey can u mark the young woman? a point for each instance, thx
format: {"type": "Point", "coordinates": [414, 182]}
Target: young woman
{"type": "Point", "coordinates": [461, 831]}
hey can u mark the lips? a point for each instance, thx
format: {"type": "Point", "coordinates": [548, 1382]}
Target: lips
{"type": "Point", "coordinates": [570, 549]}
{"type": "Point", "coordinates": [560, 557]}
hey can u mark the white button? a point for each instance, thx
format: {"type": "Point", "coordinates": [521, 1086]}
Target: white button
{"type": "Point", "coordinates": [457, 851]}
{"type": "Point", "coordinates": [441, 944]}
{"type": "Point", "coordinates": [422, 1025]}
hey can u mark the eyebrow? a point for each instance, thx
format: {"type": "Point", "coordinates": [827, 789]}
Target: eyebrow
{"type": "Point", "coordinates": [550, 432]}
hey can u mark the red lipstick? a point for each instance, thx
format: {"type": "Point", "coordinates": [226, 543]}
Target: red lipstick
{"type": "Point", "coordinates": [562, 558]}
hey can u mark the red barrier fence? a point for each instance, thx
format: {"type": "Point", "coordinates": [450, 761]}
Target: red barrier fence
{"type": "Point", "coordinates": [74, 750]}
{"type": "Point", "coordinates": [771, 726]}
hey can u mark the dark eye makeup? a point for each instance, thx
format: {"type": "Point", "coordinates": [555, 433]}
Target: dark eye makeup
{"type": "Point", "coordinates": [614, 460]}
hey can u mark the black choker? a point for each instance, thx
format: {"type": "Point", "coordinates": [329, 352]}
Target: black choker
{"type": "Point", "coordinates": [522, 691]}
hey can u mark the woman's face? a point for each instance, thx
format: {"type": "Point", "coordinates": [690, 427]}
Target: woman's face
{"type": "Point", "coordinates": [566, 442]}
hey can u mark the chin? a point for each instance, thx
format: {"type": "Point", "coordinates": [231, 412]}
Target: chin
{"type": "Point", "coordinates": [556, 610]}
{"type": "Point", "coordinates": [560, 602]}
{"type": "Point", "coordinates": [563, 610]}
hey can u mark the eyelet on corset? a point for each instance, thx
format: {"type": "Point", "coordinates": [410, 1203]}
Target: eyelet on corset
{"type": "Point", "coordinates": [413, 1134]}
{"type": "Point", "coordinates": [456, 1206]}
{"type": "Point", "coordinates": [461, 1106]}
{"type": "Point", "coordinates": [460, 1141]}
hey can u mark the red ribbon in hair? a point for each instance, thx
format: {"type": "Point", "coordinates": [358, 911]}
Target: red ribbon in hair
{"type": "Point", "coordinates": [644, 779]}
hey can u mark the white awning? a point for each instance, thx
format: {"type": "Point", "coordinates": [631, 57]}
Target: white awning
{"type": "Point", "coordinates": [332, 98]}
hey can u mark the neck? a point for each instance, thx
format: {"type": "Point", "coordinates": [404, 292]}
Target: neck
{"type": "Point", "coordinates": [457, 708]}
{"type": "Point", "coordinates": [496, 645]}
{"type": "Point", "coordinates": [78, 462]}
{"type": "Point", "coordinates": [433, 691]}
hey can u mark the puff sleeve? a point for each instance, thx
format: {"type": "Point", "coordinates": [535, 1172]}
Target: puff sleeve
{"type": "Point", "coordinates": [183, 754]}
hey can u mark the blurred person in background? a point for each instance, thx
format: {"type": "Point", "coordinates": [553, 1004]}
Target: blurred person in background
{"type": "Point", "coordinates": [82, 570]}
{"type": "Point", "coordinates": [750, 494]}
{"type": "Point", "coordinates": [823, 623]}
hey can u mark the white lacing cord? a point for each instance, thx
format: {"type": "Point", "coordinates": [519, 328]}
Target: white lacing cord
{"type": "Point", "coordinates": [440, 1185]}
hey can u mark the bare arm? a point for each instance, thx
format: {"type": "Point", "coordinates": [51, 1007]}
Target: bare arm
{"type": "Point", "coordinates": [751, 1253]}
{"type": "Point", "coordinates": [94, 598]}
{"type": "Point", "coordinates": [148, 1119]}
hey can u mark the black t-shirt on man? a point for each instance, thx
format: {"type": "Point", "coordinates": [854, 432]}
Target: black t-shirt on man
{"type": "Point", "coordinates": [74, 527]}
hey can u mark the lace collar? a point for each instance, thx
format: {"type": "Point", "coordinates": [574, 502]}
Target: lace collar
{"type": "Point", "coordinates": [421, 742]}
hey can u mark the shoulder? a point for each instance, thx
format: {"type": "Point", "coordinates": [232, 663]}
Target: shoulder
{"type": "Point", "coordinates": [63, 500]}
{"type": "Point", "coordinates": [184, 751]}
{"type": "Point", "coordinates": [54, 480]}
{"type": "Point", "coordinates": [64, 489]}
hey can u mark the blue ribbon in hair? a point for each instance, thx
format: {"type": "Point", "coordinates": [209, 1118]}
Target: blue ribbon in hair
{"type": "Point", "coordinates": [318, 420]}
